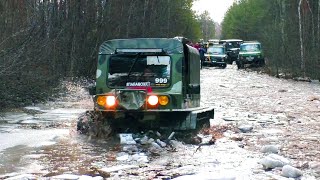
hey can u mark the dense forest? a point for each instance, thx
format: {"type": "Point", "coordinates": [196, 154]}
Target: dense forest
{"type": "Point", "coordinates": [288, 29]}
{"type": "Point", "coordinates": [44, 41]}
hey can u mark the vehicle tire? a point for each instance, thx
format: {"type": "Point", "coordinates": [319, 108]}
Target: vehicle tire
{"type": "Point", "coordinates": [224, 66]}
{"type": "Point", "coordinates": [240, 65]}
{"type": "Point", "coordinates": [229, 60]}
{"type": "Point", "coordinates": [262, 63]}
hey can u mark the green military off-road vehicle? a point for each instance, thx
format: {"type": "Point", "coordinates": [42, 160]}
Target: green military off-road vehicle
{"type": "Point", "coordinates": [250, 53]}
{"type": "Point", "coordinates": [154, 82]}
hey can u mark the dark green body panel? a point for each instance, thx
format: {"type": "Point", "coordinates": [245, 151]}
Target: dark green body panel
{"type": "Point", "coordinates": [179, 76]}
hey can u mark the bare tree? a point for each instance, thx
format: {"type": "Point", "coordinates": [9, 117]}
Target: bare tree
{"type": "Point", "coordinates": [302, 65]}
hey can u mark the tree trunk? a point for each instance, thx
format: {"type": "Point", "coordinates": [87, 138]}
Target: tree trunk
{"type": "Point", "coordinates": [302, 64]}
{"type": "Point", "coordinates": [131, 6]}
{"type": "Point", "coordinates": [145, 6]}
{"type": "Point", "coordinates": [312, 21]}
{"type": "Point", "coordinates": [318, 28]}
{"type": "Point", "coordinates": [168, 18]}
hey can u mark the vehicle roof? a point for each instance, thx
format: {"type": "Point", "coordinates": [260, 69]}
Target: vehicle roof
{"type": "Point", "coordinates": [250, 42]}
{"type": "Point", "coordinates": [228, 40]}
{"type": "Point", "coordinates": [213, 40]}
{"type": "Point", "coordinates": [216, 45]}
{"type": "Point", "coordinates": [170, 45]}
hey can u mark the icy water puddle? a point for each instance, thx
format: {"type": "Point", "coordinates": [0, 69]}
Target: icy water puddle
{"type": "Point", "coordinates": [24, 134]}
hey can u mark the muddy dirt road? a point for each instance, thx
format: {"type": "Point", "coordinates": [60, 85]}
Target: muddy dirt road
{"type": "Point", "coordinates": [255, 115]}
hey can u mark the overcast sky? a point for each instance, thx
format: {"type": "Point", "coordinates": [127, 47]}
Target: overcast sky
{"type": "Point", "coordinates": [216, 8]}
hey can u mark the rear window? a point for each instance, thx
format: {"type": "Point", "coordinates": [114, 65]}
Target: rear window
{"type": "Point", "coordinates": [134, 70]}
{"type": "Point", "coordinates": [250, 47]}
{"type": "Point", "coordinates": [215, 50]}
{"type": "Point", "coordinates": [230, 45]}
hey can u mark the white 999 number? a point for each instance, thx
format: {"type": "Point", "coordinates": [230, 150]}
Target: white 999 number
{"type": "Point", "coordinates": [161, 80]}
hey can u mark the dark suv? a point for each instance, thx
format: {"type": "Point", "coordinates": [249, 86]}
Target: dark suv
{"type": "Point", "coordinates": [232, 48]}
{"type": "Point", "coordinates": [216, 56]}
{"type": "Point", "coordinates": [250, 53]}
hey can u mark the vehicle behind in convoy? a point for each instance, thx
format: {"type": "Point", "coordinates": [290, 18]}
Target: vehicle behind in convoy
{"type": "Point", "coordinates": [232, 47]}
{"type": "Point", "coordinates": [250, 53]}
{"type": "Point", "coordinates": [153, 82]}
{"type": "Point", "coordinates": [216, 56]}
{"type": "Point", "coordinates": [212, 42]}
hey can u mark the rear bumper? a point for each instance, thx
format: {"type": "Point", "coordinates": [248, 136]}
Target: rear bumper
{"type": "Point", "coordinates": [208, 63]}
{"type": "Point", "coordinates": [178, 119]}
{"type": "Point", "coordinates": [250, 61]}
{"type": "Point", "coordinates": [159, 110]}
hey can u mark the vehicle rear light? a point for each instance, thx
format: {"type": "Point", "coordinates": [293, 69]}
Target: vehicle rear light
{"type": "Point", "coordinates": [101, 100]}
{"type": "Point", "coordinates": [163, 100]}
{"type": "Point", "coordinates": [153, 100]}
{"type": "Point", "coordinates": [111, 101]}
{"type": "Point", "coordinates": [108, 101]}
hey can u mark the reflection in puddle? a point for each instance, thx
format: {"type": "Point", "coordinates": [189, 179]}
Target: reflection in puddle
{"type": "Point", "coordinates": [70, 154]}
{"type": "Point", "coordinates": [10, 159]}
{"type": "Point", "coordinates": [76, 155]}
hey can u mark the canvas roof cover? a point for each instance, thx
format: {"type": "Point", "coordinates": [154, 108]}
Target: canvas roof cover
{"type": "Point", "coordinates": [169, 45]}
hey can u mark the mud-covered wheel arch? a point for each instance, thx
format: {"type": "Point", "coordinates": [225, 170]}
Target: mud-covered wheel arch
{"type": "Point", "coordinates": [101, 124]}
{"type": "Point", "coordinates": [93, 124]}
